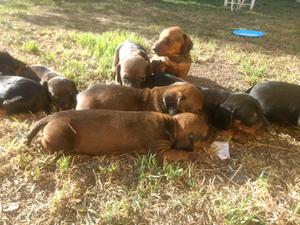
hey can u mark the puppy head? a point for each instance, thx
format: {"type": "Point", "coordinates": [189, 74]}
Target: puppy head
{"type": "Point", "coordinates": [241, 112]}
{"type": "Point", "coordinates": [182, 97]}
{"type": "Point", "coordinates": [62, 92]}
{"type": "Point", "coordinates": [133, 71]}
{"type": "Point", "coordinates": [193, 132]}
{"type": "Point", "coordinates": [158, 66]}
{"type": "Point", "coordinates": [172, 41]}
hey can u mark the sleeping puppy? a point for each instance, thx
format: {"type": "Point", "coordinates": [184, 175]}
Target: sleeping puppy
{"type": "Point", "coordinates": [131, 65]}
{"type": "Point", "coordinates": [117, 132]}
{"type": "Point", "coordinates": [62, 90]}
{"type": "Point", "coordinates": [21, 95]}
{"type": "Point", "coordinates": [161, 80]}
{"type": "Point", "coordinates": [172, 53]}
{"type": "Point", "coordinates": [172, 99]}
{"type": "Point", "coordinates": [279, 100]}
{"type": "Point", "coordinates": [12, 66]}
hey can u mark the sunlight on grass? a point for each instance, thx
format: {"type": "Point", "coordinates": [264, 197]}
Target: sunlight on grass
{"type": "Point", "coordinates": [32, 47]}
{"type": "Point", "coordinates": [103, 46]}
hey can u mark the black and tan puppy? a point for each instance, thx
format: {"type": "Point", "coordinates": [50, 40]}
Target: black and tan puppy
{"type": "Point", "coordinates": [62, 90]}
{"type": "Point", "coordinates": [12, 66]}
{"type": "Point", "coordinates": [279, 100]}
{"type": "Point", "coordinates": [20, 95]}
{"type": "Point", "coordinates": [131, 65]}
{"type": "Point", "coordinates": [237, 114]}
{"type": "Point", "coordinates": [171, 138]}
{"type": "Point", "coordinates": [162, 80]}
{"type": "Point", "coordinates": [172, 99]}
{"type": "Point", "coordinates": [172, 53]}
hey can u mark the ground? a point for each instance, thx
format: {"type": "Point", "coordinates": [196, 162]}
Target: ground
{"type": "Point", "coordinates": [78, 38]}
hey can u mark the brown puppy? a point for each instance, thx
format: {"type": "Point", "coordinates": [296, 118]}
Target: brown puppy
{"type": "Point", "coordinates": [131, 65]}
{"type": "Point", "coordinates": [14, 67]}
{"type": "Point", "coordinates": [172, 53]}
{"type": "Point", "coordinates": [62, 90]}
{"type": "Point", "coordinates": [173, 99]}
{"type": "Point", "coordinates": [171, 138]}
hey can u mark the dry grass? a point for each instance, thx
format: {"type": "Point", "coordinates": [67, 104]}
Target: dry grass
{"type": "Point", "coordinates": [37, 188]}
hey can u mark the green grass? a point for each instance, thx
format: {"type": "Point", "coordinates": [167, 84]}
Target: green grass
{"type": "Point", "coordinates": [78, 39]}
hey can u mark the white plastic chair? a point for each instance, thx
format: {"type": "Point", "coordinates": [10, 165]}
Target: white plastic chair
{"type": "Point", "coordinates": [239, 4]}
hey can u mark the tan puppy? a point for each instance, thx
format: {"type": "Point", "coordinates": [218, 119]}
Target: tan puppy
{"type": "Point", "coordinates": [62, 90]}
{"type": "Point", "coordinates": [177, 98]}
{"type": "Point", "coordinates": [172, 53]}
{"type": "Point", "coordinates": [171, 138]}
{"type": "Point", "coordinates": [131, 65]}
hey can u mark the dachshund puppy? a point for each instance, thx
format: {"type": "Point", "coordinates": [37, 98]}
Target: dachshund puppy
{"type": "Point", "coordinates": [12, 66]}
{"type": "Point", "coordinates": [20, 95]}
{"type": "Point", "coordinates": [117, 132]}
{"type": "Point", "coordinates": [237, 114]}
{"type": "Point", "coordinates": [161, 80]}
{"type": "Point", "coordinates": [279, 100]}
{"type": "Point", "coordinates": [62, 90]}
{"type": "Point", "coordinates": [172, 53]}
{"type": "Point", "coordinates": [131, 65]}
{"type": "Point", "coordinates": [172, 99]}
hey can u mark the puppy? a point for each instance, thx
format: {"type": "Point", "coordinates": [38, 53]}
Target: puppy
{"type": "Point", "coordinates": [172, 99]}
{"type": "Point", "coordinates": [170, 138]}
{"type": "Point", "coordinates": [20, 95]}
{"type": "Point", "coordinates": [12, 66]}
{"type": "Point", "coordinates": [161, 80]}
{"type": "Point", "coordinates": [279, 100]}
{"type": "Point", "coordinates": [131, 65]}
{"type": "Point", "coordinates": [238, 114]}
{"type": "Point", "coordinates": [172, 53]}
{"type": "Point", "coordinates": [62, 90]}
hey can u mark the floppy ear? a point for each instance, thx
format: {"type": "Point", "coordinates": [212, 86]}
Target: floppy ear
{"type": "Point", "coordinates": [187, 45]}
{"type": "Point", "coordinates": [118, 74]}
{"type": "Point", "coordinates": [172, 101]}
{"type": "Point", "coordinates": [223, 118]}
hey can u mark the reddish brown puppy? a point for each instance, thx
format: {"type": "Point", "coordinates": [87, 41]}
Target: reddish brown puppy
{"type": "Point", "coordinates": [171, 138]}
{"type": "Point", "coordinates": [131, 65]}
{"type": "Point", "coordinates": [172, 53]}
{"type": "Point", "coordinates": [173, 99]}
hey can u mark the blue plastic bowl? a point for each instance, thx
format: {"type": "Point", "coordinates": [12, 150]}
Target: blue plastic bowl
{"type": "Point", "coordinates": [248, 33]}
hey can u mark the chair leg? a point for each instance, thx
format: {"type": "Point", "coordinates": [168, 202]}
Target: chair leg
{"type": "Point", "coordinates": [252, 4]}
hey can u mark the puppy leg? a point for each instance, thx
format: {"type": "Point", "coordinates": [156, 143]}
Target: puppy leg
{"type": "Point", "coordinates": [178, 155]}
{"type": "Point", "coordinates": [58, 136]}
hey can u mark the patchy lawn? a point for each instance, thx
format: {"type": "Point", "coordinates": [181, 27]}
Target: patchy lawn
{"type": "Point", "coordinates": [78, 38]}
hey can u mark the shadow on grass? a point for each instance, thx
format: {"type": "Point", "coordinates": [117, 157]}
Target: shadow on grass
{"type": "Point", "coordinates": [204, 19]}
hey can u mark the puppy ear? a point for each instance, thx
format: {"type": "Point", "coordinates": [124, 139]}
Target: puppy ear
{"type": "Point", "coordinates": [223, 118]}
{"type": "Point", "coordinates": [172, 101]}
{"type": "Point", "coordinates": [187, 45]}
{"type": "Point", "coordinates": [118, 74]}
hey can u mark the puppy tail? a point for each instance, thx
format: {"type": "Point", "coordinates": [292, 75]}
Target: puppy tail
{"type": "Point", "coordinates": [36, 128]}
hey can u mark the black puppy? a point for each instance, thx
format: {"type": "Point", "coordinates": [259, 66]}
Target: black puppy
{"type": "Point", "coordinates": [20, 95]}
{"type": "Point", "coordinates": [279, 100]}
{"type": "Point", "coordinates": [12, 66]}
{"type": "Point", "coordinates": [236, 113]}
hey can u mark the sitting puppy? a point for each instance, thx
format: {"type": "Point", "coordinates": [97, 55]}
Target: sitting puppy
{"type": "Point", "coordinates": [131, 65]}
{"type": "Point", "coordinates": [172, 99]}
{"type": "Point", "coordinates": [20, 95]}
{"type": "Point", "coordinates": [172, 53]}
{"type": "Point", "coordinates": [279, 100]}
{"type": "Point", "coordinates": [62, 90]}
{"type": "Point", "coordinates": [170, 138]}
{"type": "Point", "coordinates": [12, 66]}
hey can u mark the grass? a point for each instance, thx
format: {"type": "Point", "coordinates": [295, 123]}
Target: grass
{"type": "Point", "coordinates": [78, 39]}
